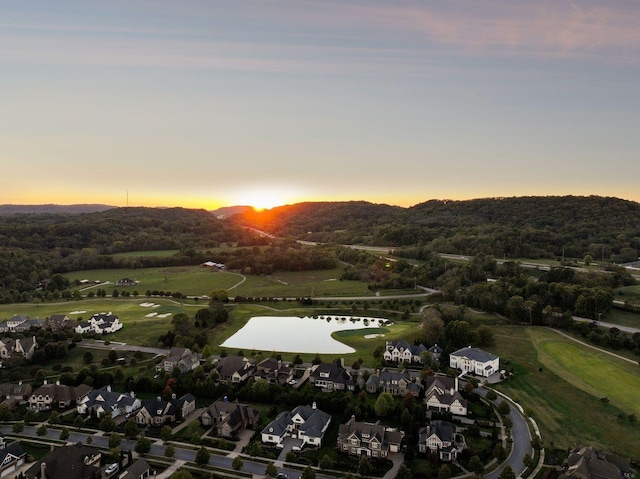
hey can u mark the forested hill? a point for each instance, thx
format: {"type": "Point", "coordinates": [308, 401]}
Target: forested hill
{"type": "Point", "coordinates": [115, 230]}
{"type": "Point", "coordinates": [516, 227]}
{"type": "Point", "coordinates": [51, 208]}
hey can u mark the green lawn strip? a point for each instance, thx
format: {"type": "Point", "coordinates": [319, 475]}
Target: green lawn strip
{"type": "Point", "coordinates": [164, 253]}
{"type": "Point", "coordinates": [564, 413]}
{"type": "Point", "coordinates": [594, 372]}
{"type": "Point", "coordinates": [629, 293]}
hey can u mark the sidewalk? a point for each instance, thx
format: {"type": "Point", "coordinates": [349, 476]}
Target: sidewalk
{"type": "Point", "coordinates": [177, 464]}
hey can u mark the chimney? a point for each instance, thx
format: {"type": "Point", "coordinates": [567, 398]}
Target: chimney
{"type": "Point", "coordinates": [173, 396]}
{"type": "Point", "coordinates": [456, 383]}
{"type": "Point", "coordinates": [58, 383]}
{"type": "Point", "coordinates": [43, 470]}
{"type": "Point", "coordinates": [109, 387]}
{"type": "Point", "coordinates": [45, 381]}
{"type": "Point", "coordinates": [313, 406]}
{"type": "Point", "coordinates": [378, 372]}
{"type": "Point", "coordinates": [20, 382]}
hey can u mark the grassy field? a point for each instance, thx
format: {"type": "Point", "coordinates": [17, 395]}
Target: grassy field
{"type": "Point", "coordinates": [552, 379]}
{"type": "Point", "coordinates": [623, 318]}
{"type": "Point", "coordinates": [198, 281]}
{"type": "Point", "coordinates": [164, 253]}
{"type": "Point", "coordinates": [631, 293]}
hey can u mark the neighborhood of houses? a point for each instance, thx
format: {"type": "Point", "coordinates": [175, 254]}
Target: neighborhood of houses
{"type": "Point", "coordinates": [303, 426]}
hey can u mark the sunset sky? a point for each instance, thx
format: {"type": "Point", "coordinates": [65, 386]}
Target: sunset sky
{"type": "Point", "coordinates": [204, 103]}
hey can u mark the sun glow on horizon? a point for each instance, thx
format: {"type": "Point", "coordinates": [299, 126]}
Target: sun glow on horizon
{"type": "Point", "coordinates": [261, 199]}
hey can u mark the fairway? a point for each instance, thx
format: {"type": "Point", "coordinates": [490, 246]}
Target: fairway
{"type": "Point", "coordinates": [564, 411]}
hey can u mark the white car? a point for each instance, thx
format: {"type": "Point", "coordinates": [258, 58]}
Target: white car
{"type": "Point", "coordinates": [111, 468]}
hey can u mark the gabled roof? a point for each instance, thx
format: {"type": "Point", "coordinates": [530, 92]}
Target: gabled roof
{"type": "Point", "coordinates": [365, 432]}
{"type": "Point", "coordinates": [137, 469]}
{"type": "Point", "coordinates": [67, 462]}
{"type": "Point", "coordinates": [235, 415]}
{"type": "Point", "coordinates": [334, 371]}
{"type": "Point", "coordinates": [230, 365]}
{"type": "Point", "coordinates": [444, 430]}
{"type": "Point", "coordinates": [474, 354]}
{"type": "Point", "coordinates": [158, 407]}
{"type": "Point", "coordinates": [12, 451]}
{"type": "Point", "coordinates": [60, 392]}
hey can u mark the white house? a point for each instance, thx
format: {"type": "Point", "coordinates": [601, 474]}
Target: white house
{"type": "Point", "coordinates": [307, 424]}
{"type": "Point", "coordinates": [403, 352]}
{"type": "Point", "coordinates": [442, 395]}
{"type": "Point", "coordinates": [475, 361]}
{"type": "Point", "coordinates": [101, 323]}
{"type": "Point", "coordinates": [104, 401]}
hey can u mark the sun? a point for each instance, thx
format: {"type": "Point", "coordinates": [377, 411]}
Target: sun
{"type": "Point", "coordinates": [261, 200]}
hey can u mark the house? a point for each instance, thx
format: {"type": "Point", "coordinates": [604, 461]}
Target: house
{"type": "Point", "coordinates": [331, 377]}
{"type": "Point", "coordinates": [16, 393]}
{"type": "Point", "coordinates": [181, 359]}
{"type": "Point", "coordinates": [397, 383]}
{"type": "Point", "coordinates": [587, 462]}
{"type": "Point", "coordinates": [100, 323]}
{"type": "Point", "coordinates": [233, 368]}
{"type": "Point", "coordinates": [24, 347]}
{"type": "Point", "coordinates": [229, 417]}
{"type": "Point", "coordinates": [140, 469]}
{"type": "Point", "coordinates": [305, 424]}
{"type": "Point", "coordinates": [436, 351]}
{"type": "Point", "coordinates": [58, 322]}
{"type": "Point", "coordinates": [402, 352]}
{"type": "Point", "coordinates": [104, 401]}
{"type": "Point", "coordinates": [474, 361]}
{"type": "Point", "coordinates": [441, 438]}
{"type": "Point", "coordinates": [126, 282]}
{"type": "Point", "coordinates": [12, 456]}
{"type": "Point", "coordinates": [274, 371]}
{"type": "Point", "coordinates": [50, 395]}
{"type": "Point", "coordinates": [442, 395]}
{"type": "Point", "coordinates": [363, 438]}
{"type": "Point", "coordinates": [155, 412]}
{"type": "Point", "coordinates": [77, 461]}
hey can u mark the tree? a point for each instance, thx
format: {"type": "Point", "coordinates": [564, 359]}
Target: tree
{"type": "Point", "coordinates": [507, 473]}
{"type": "Point", "coordinates": [491, 395]}
{"type": "Point", "coordinates": [42, 430]}
{"type": "Point", "coordinates": [308, 473]}
{"type": "Point", "coordinates": [143, 445]}
{"type": "Point", "coordinates": [203, 456]}
{"type": "Point", "coordinates": [87, 357]}
{"type": "Point", "coordinates": [18, 427]}
{"type": "Point", "coordinates": [588, 259]}
{"type": "Point", "coordinates": [326, 463]}
{"type": "Point", "coordinates": [54, 418]}
{"type": "Point", "coordinates": [290, 456]}
{"type": "Point", "coordinates": [78, 422]}
{"type": "Point", "coordinates": [364, 466]}
{"type": "Point", "coordinates": [503, 408]}
{"type": "Point", "coordinates": [107, 424]}
{"type": "Point", "coordinates": [169, 451]}
{"type": "Point", "coordinates": [166, 433]}
{"type": "Point", "coordinates": [384, 404]}
{"type": "Point", "coordinates": [64, 434]}
{"type": "Point", "coordinates": [404, 472]}
{"type": "Point", "coordinates": [131, 429]}
{"type": "Point", "coordinates": [475, 465]}
{"type": "Point", "coordinates": [444, 472]}
{"type": "Point", "coordinates": [237, 463]}
{"type": "Point", "coordinates": [114, 440]}
{"type": "Point", "coordinates": [271, 470]}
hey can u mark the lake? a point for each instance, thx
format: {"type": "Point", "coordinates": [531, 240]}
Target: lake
{"type": "Point", "coordinates": [295, 334]}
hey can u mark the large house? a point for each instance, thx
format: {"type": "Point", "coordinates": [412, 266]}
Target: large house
{"type": "Point", "coordinates": [475, 361]}
{"type": "Point", "coordinates": [306, 424]}
{"type": "Point", "coordinates": [235, 369]}
{"type": "Point", "coordinates": [70, 462]}
{"type": "Point", "coordinates": [441, 438]}
{"type": "Point", "coordinates": [58, 322]}
{"type": "Point", "coordinates": [362, 438]}
{"type": "Point", "coordinates": [100, 323]}
{"type": "Point", "coordinates": [140, 469]}
{"type": "Point", "coordinates": [181, 359]}
{"type": "Point", "coordinates": [155, 412]}
{"type": "Point", "coordinates": [104, 401]}
{"type": "Point", "coordinates": [331, 377]}
{"type": "Point", "coordinates": [397, 383]}
{"type": "Point", "coordinates": [229, 417]}
{"type": "Point", "coordinates": [12, 394]}
{"type": "Point", "coordinates": [12, 456]}
{"type": "Point", "coordinates": [274, 371]}
{"type": "Point", "coordinates": [24, 347]}
{"type": "Point", "coordinates": [587, 462]}
{"type": "Point", "coordinates": [20, 323]}
{"type": "Point", "coordinates": [50, 395]}
{"type": "Point", "coordinates": [402, 352]}
{"type": "Point", "coordinates": [442, 395]}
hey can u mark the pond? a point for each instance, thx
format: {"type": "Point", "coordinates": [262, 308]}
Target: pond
{"type": "Point", "coordinates": [294, 334]}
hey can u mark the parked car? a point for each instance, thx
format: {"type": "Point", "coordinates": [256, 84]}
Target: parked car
{"type": "Point", "coordinates": [111, 468]}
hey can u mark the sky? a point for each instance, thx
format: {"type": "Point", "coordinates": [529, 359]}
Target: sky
{"type": "Point", "coordinates": [206, 103]}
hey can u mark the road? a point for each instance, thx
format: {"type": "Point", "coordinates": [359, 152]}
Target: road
{"type": "Point", "coordinates": [181, 452]}
{"type": "Point", "coordinates": [602, 324]}
{"type": "Point", "coordinates": [521, 440]}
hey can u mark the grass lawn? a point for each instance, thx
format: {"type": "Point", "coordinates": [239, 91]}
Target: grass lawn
{"type": "Point", "coordinates": [623, 318]}
{"type": "Point", "coordinates": [564, 412]}
{"type": "Point", "coordinates": [631, 293]}
{"type": "Point", "coordinates": [164, 253]}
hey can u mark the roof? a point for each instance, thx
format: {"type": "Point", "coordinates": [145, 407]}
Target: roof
{"type": "Point", "coordinates": [137, 469]}
{"type": "Point", "coordinates": [365, 431]}
{"type": "Point", "coordinates": [69, 462]}
{"type": "Point", "coordinates": [587, 462]}
{"type": "Point", "coordinates": [60, 392]}
{"type": "Point", "coordinates": [474, 354]}
{"type": "Point", "coordinates": [230, 365]}
{"type": "Point", "coordinates": [445, 431]}
{"type": "Point", "coordinates": [14, 449]}
{"type": "Point", "coordinates": [336, 373]}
